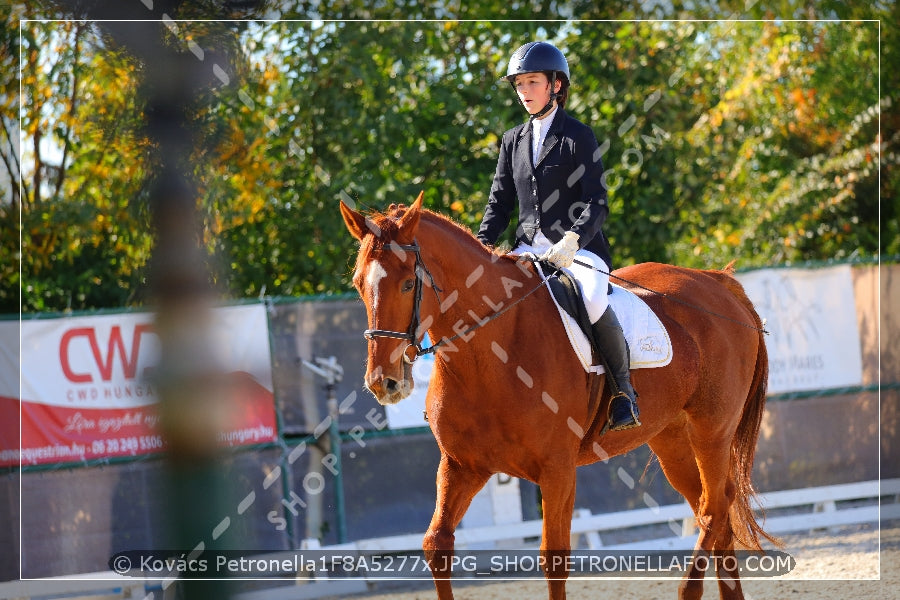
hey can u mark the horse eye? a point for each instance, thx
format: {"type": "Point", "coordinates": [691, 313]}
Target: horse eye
{"type": "Point", "coordinates": [408, 285]}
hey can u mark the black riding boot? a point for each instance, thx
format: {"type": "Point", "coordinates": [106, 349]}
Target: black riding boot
{"type": "Point", "coordinates": [610, 341]}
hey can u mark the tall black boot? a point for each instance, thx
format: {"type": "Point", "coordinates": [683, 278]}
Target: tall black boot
{"type": "Point", "coordinates": [610, 342]}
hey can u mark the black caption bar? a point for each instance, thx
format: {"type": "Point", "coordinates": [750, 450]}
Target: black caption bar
{"type": "Point", "coordinates": [522, 564]}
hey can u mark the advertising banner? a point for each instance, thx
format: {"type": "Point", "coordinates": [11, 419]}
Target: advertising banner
{"type": "Point", "coordinates": [814, 339]}
{"type": "Point", "coordinates": [9, 393]}
{"type": "Point", "coordinates": [87, 389]}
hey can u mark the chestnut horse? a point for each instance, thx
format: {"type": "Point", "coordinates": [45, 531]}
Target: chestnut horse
{"type": "Point", "coordinates": [507, 394]}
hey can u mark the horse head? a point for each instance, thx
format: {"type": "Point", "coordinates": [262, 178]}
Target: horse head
{"type": "Point", "coordinates": [389, 280]}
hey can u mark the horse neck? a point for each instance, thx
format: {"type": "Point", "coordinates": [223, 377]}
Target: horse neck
{"type": "Point", "coordinates": [475, 283]}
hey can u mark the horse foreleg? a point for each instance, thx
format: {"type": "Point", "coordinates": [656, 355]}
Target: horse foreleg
{"type": "Point", "coordinates": [455, 489]}
{"type": "Point", "coordinates": [558, 500]}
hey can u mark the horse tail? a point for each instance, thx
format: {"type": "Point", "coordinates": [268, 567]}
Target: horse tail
{"type": "Point", "coordinates": [744, 525]}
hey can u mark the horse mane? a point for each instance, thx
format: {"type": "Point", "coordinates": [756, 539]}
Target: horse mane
{"type": "Point", "coordinates": [384, 227]}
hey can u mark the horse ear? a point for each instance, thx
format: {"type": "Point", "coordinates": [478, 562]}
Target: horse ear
{"type": "Point", "coordinates": [409, 222]}
{"type": "Point", "coordinates": [355, 222]}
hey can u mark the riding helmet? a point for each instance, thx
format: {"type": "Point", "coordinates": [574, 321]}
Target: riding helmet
{"type": "Point", "coordinates": [534, 57]}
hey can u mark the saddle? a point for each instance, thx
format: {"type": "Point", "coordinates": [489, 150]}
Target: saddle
{"type": "Point", "coordinates": [565, 291]}
{"type": "Point", "coordinates": [648, 340]}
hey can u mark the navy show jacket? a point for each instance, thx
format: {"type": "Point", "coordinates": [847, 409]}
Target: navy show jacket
{"type": "Point", "coordinates": [565, 192]}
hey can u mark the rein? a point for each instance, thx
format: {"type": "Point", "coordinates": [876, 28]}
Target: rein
{"type": "Point", "coordinates": [431, 349]}
{"type": "Point", "coordinates": [411, 333]}
{"type": "Point", "coordinates": [674, 298]}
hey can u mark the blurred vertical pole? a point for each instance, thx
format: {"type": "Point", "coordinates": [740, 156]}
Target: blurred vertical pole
{"type": "Point", "coordinates": [193, 397]}
{"type": "Point", "coordinates": [194, 400]}
{"type": "Point", "coordinates": [192, 394]}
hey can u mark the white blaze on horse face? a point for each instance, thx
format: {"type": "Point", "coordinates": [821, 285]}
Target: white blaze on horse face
{"type": "Point", "coordinates": [374, 274]}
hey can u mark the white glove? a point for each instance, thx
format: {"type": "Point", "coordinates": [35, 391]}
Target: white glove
{"type": "Point", "coordinates": [562, 253]}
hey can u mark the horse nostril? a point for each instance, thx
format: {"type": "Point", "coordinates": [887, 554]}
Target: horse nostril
{"type": "Point", "coordinates": [390, 384]}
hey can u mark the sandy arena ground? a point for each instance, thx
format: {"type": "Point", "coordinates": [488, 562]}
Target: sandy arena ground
{"type": "Point", "coordinates": [843, 563]}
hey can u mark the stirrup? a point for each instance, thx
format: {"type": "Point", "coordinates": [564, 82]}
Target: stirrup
{"type": "Point", "coordinates": [623, 425]}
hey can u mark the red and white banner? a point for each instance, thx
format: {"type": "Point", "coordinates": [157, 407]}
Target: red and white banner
{"type": "Point", "coordinates": [86, 394]}
{"type": "Point", "coordinates": [9, 393]}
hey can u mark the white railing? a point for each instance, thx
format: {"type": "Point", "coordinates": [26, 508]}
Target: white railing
{"type": "Point", "coordinates": [815, 508]}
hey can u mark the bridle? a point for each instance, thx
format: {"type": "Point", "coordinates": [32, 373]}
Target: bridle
{"type": "Point", "coordinates": [411, 333]}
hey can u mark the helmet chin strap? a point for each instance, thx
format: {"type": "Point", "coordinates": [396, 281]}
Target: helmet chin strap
{"type": "Point", "coordinates": [553, 96]}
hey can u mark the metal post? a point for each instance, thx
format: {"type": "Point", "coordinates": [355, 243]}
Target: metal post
{"type": "Point", "coordinates": [335, 442]}
{"type": "Point", "coordinates": [332, 372]}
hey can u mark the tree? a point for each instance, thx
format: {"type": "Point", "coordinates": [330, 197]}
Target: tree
{"type": "Point", "coordinates": [755, 140]}
{"type": "Point", "coordinates": [84, 160]}
{"type": "Point", "coordinates": [350, 113]}
{"type": "Point", "coordinates": [10, 172]}
{"type": "Point", "coordinates": [790, 146]}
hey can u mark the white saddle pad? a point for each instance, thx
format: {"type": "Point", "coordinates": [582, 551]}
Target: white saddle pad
{"type": "Point", "coordinates": [648, 340]}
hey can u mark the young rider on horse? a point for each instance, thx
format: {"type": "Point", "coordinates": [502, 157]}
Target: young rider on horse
{"type": "Point", "coordinates": [551, 166]}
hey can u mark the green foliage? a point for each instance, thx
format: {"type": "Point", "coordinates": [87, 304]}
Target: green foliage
{"type": "Point", "coordinates": [750, 140]}
{"type": "Point", "coordinates": [791, 142]}
{"type": "Point", "coordinates": [83, 241]}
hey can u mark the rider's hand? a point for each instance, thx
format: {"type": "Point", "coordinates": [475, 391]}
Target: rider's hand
{"type": "Point", "coordinates": [562, 253]}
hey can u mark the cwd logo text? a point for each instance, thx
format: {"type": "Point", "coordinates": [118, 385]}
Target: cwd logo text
{"type": "Point", "coordinates": [109, 364]}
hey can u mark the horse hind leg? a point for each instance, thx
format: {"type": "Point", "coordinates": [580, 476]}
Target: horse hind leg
{"type": "Point", "coordinates": [455, 489]}
{"type": "Point", "coordinates": [727, 571]}
{"type": "Point", "coordinates": [715, 544]}
{"type": "Point", "coordinates": [714, 550]}
{"type": "Point", "coordinates": [704, 480]}
{"type": "Point", "coordinates": [673, 448]}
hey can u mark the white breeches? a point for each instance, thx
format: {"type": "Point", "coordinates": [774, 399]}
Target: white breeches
{"type": "Point", "coordinates": [594, 284]}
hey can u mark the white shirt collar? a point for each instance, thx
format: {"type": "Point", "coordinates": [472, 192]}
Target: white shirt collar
{"type": "Point", "coordinates": [539, 128]}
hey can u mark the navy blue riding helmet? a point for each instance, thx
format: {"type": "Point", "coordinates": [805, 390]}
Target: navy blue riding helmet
{"type": "Point", "coordinates": [544, 57]}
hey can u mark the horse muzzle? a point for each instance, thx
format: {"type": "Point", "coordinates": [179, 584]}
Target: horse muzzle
{"type": "Point", "coordinates": [389, 390]}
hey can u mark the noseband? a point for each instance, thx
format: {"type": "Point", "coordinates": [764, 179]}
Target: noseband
{"type": "Point", "coordinates": [411, 334]}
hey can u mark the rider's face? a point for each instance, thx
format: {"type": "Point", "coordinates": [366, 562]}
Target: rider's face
{"type": "Point", "coordinates": [534, 90]}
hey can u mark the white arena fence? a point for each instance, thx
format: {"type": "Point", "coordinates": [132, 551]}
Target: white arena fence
{"type": "Point", "coordinates": [808, 508]}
